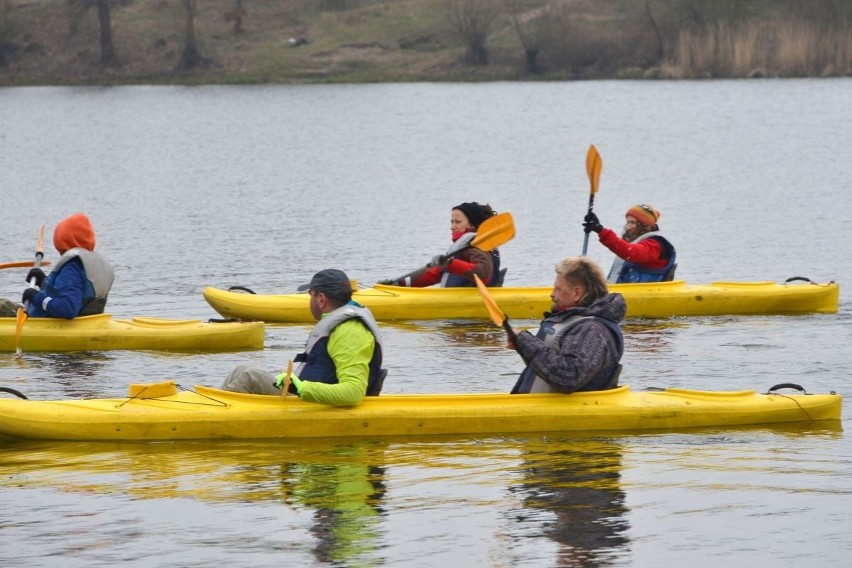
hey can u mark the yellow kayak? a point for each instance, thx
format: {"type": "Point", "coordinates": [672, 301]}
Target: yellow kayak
{"type": "Point", "coordinates": [163, 411]}
{"type": "Point", "coordinates": [653, 300]}
{"type": "Point", "coordinates": [102, 332]}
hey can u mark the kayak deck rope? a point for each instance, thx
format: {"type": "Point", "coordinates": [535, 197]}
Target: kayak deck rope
{"type": "Point", "coordinates": [794, 386]}
{"type": "Point", "coordinates": [808, 280]}
{"type": "Point", "coordinates": [138, 396]}
{"type": "Point", "coordinates": [241, 289]}
{"type": "Point", "coordinates": [15, 392]}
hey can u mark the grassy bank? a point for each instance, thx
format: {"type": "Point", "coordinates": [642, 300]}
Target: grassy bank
{"type": "Point", "coordinates": [253, 41]}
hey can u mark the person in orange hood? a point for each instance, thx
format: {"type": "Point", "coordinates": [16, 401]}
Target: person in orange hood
{"type": "Point", "coordinates": [80, 281]}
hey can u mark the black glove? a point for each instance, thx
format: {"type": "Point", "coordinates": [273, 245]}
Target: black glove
{"type": "Point", "coordinates": [36, 273]}
{"type": "Point", "coordinates": [29, 294]}
{"type": "Point", "coordinates": [591, 223]}
{"type": "Point", "coordinates": [440, 260]}
{"type": "Point", "coordinates": [391, 282]}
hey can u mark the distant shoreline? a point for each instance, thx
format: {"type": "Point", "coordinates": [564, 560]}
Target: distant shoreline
{"type": "Point", "coordinates": [156, 42]}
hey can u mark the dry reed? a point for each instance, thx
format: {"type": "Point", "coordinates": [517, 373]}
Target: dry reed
{"type": "Point", "coordinates": [754, 49]}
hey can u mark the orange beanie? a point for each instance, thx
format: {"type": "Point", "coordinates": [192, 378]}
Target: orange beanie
{"type": "Point", "coordinates": [74, 231]}
{"type": "Point", "coordinates": [645, 214]}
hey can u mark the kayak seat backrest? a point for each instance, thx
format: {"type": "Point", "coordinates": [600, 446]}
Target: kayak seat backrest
{"type": "Point", "coordinates": [614, 381]}
{"type": "Point", "coordinates": [669, 275]}
{"type": "Point", "coordinates": [376, 387]}
{"type": "Point", "coordinates": [501, 275]}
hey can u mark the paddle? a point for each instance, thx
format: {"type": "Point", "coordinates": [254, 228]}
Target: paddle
{"type": "Point", "coordinates": [21, 264]}
{"type": "Point", "coordinates": [492, 233]}
{"type": "Point", "coordinates": [22, 312]}
{"type": "Point", "coordinates": [286, 387]}
{"type": "Point", "coordinates": [593, 169]}
{"type": "Point", "coordinates": [499, 318]}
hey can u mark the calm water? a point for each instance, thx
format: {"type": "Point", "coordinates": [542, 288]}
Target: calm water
{"type": "Point", "coordinates": [262, 186]}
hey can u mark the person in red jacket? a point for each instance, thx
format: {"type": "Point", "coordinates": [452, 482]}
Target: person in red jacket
{"type": "Point", "coordinates": [643, 253]}
{"type": "Point", "coordinates": [458, 270]}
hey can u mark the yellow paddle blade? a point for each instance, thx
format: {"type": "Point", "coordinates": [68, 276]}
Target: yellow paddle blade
{"type": "Point", "coordinates": [286, 388]}
{"type": "Point", "coordinates": [19, 328]}
{"type": "Point", "coordinates": [593, 167]}
{"type": "Point", "coordinates": [494, 231]}
{"type": "Point", "coordinates": [497, 315]}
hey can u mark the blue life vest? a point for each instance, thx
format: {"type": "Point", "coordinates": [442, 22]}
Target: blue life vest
{"type": "Point", "coordinates": [317, 364]}
{"type": "Point", "coordinates": [96, 286]}
{"type": "Point", "coordinates": [632, 273]}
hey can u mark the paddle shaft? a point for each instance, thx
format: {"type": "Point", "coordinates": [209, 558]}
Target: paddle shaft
{"type": "Point", "coordinates": [586, 236]}
{"type": "Point", "coordinates": [22, 264]}
{"type": "Point", "coordinates": [492, 233]}
{"type": "Point", "coordinates": [38, 256]}
{"type": "Point", "coordinates": [429, 265]}
{"type": "Point", "coordinates": [22, 312]}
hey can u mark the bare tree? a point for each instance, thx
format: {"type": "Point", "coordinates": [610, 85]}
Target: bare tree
{"type": "Point", "coordinates": [108, 58]}
{"type": "Point", "coordinates": [472, 20]}
{"type": "Point", "coordinates": [236, 15]}
{"type": "Point", "coordinates": [533, 28]}
{"type": "Point", "coordinates": [5, 31]}
{"type": "Point", "coordinates": [191, 57]}
{"type": "Point", "coordinates": [79, 9]}
{"type": "Point", "coordinates": [658, 33]}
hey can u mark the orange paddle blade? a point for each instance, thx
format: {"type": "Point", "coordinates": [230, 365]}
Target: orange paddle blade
{"type": "Point", "coordinates": [497, 315]}
{"type": "Point", "coordinates": [494, 231]}
{"type": "Point", "coordinates": [19, 328]}
{"type": "Point", "coordinates": [594, 164]}
{"type": "Point", "coordinates": [286, 388]}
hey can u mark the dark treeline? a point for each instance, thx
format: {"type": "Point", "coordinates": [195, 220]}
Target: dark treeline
{"type": "Point", "coordinates": [113, 41]}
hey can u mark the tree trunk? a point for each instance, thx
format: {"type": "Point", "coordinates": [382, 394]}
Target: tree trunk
{"type": "Point", "coordinates": [108, 58]}
{"type": "Point", "coordinates": [191, 58]}
{"type": "Point", "coordinates": [658, 34]}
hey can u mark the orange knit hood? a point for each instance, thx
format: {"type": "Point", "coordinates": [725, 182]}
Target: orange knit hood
{"type": "Point", "coordinates": [74, 231]}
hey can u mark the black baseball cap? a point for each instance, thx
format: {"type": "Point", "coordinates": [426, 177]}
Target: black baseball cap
{"type": "Point", "coordinates": [332, 282]}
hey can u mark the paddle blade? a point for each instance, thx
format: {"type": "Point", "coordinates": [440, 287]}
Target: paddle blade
{"type": "Point", "coordinates": [490, 234]}
{"type": "Point", "coordinates": [594, 164]}
{"type": "Point", "coordinates": [497, 315]}
{"type": "Point", "coordinates": [286, 388]}
{"type": "Point", "coordinates": [19, 328]}
{"type": "Point", "coordinates": [494, 231]}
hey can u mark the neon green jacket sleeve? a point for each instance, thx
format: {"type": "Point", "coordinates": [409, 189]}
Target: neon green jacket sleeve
{"type": "Point", "coordinates": [350, 346]}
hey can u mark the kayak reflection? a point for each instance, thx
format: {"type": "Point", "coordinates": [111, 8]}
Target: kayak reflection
{"type": "Point", "coordinates": [338, 485]}
{"type": "Point", "coordinates": [578, 482]}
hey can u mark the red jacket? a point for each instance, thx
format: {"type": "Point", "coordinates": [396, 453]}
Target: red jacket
{"type": "Point", "coordinates": [647, 252]}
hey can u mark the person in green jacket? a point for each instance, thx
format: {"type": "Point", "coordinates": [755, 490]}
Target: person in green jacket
{"type": "Point", "coordinates": [342, 360]}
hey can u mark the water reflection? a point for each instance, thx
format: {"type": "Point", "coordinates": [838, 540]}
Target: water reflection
{"type": "Point", "coordinates": [578, 483]}
{"type": "Point", "coordinates": [333, 490]}
{"type": "Point", "coordinates": [345, 495]}
{"type": "Point", "coordinates": [552, 499]}
{"type": "Point", "coordinates": [650, 336]}
{"type": "Point", "coordinates": [77, 374]}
